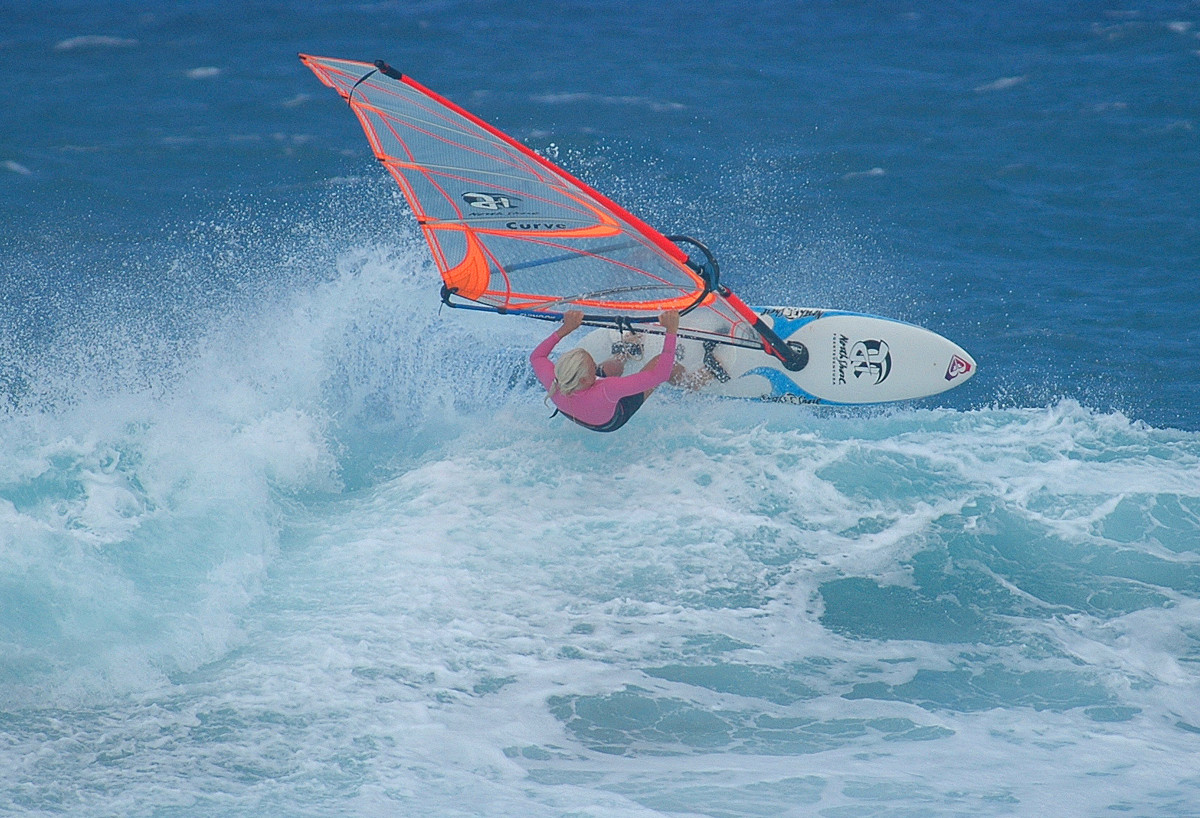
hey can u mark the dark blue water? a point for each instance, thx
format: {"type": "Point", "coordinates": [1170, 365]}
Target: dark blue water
{"type": "Point", "coordinates": [279, 538]}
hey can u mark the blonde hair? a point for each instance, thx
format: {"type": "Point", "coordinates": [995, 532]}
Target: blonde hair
{"type": "Point", "coordinates": [570, 369]}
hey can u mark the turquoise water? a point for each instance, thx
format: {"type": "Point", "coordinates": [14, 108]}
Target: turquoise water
{"type": "Point", "coordinates": [280, 537]}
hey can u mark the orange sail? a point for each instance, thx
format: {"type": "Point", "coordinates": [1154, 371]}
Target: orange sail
{"type": "Point", "coordinates": [512, 232]}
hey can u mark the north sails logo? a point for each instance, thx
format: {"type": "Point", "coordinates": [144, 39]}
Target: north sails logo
{"type": "Point", "coordinates": [491, 201]}
{"type": "Point", "coordinates": [872, 360]}
{"type": "Point", "coordinates": [792, 313]}
{"type": "Point", "coordinates": [841, 358]}
{"type": "Point", "coordinates": [957, 367]}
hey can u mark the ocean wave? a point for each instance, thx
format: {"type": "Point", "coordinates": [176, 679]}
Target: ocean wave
{"type": "Point", "coordinates": [94, 41]}
{"type": "Point", "coordinates": [571, 98]}
{"type": "Point", "coordinates": [325, 488]}
{"type": "Point", "coordinates": [149, 483]}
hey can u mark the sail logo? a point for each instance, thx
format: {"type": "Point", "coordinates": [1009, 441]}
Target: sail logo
{"type": "Point", "coordinates": [535, 226]}
{"type": "Point", "coordinates": [491, 201]}
{"type": "Point", "coordinates": [957, 367]}
{"type": "Point", "coordinates": [871, 359]}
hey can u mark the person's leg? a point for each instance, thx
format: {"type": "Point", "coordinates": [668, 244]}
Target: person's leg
{"type": "Point", "coordinates": [710, 370]}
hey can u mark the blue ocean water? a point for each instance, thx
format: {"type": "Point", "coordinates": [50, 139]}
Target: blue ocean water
{"type": "Point", "coordinates": [280, 537]}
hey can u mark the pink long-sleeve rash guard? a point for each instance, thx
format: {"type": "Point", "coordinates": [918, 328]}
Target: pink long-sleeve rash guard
{"type": "Point", "coordinates": [597, 404]}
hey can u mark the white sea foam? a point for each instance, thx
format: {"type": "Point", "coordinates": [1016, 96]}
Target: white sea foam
{"type": "Point", "coordinates": [570, 98]}
{"type": "Point", "coordinates": [861, 174]}
{"type": "Point", "coordinates": [94, 41]}
{"type": "Point", "coordinates": [203, 72]}
{"type": "Point", "coordinates": [311, 548]}
{"type": "Point", "coordinates": [1002, 84]}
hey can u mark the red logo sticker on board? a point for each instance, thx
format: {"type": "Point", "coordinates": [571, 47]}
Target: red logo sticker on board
{"type": "Point", "coordinates": [957, 367]}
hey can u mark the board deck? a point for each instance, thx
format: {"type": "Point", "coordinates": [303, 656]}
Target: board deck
{"type": "Point", "coordinates": [853, 359]}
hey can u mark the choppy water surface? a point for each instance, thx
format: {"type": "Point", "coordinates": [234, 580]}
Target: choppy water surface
{"type": "Point", "coordinates": [281, 538]}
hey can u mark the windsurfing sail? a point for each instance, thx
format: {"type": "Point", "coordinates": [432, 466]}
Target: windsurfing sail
{"type": "Point", "coordinates": [512, 232]}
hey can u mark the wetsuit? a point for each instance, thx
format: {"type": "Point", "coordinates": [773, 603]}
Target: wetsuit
{"type": "Point", "coordinates": [606, 405]}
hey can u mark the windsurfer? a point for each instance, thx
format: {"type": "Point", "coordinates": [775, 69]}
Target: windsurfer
{"type": "Point", "coordinates": [602, 398]}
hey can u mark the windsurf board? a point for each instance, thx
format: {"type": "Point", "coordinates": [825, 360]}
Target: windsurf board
{"type": "Point", "coordinates": [853, 358]}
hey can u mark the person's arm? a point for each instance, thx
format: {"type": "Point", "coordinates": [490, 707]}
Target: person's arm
{"type": "Point", "coordinates": [647, 378]}
{"type": "Point", "coordinates": [658, 374]}
{"type": "Point", "coordinates": [543, 367]}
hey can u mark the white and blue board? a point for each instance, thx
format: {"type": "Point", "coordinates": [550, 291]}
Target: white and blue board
{"type": "Point", "coordinates": [853, 359]}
